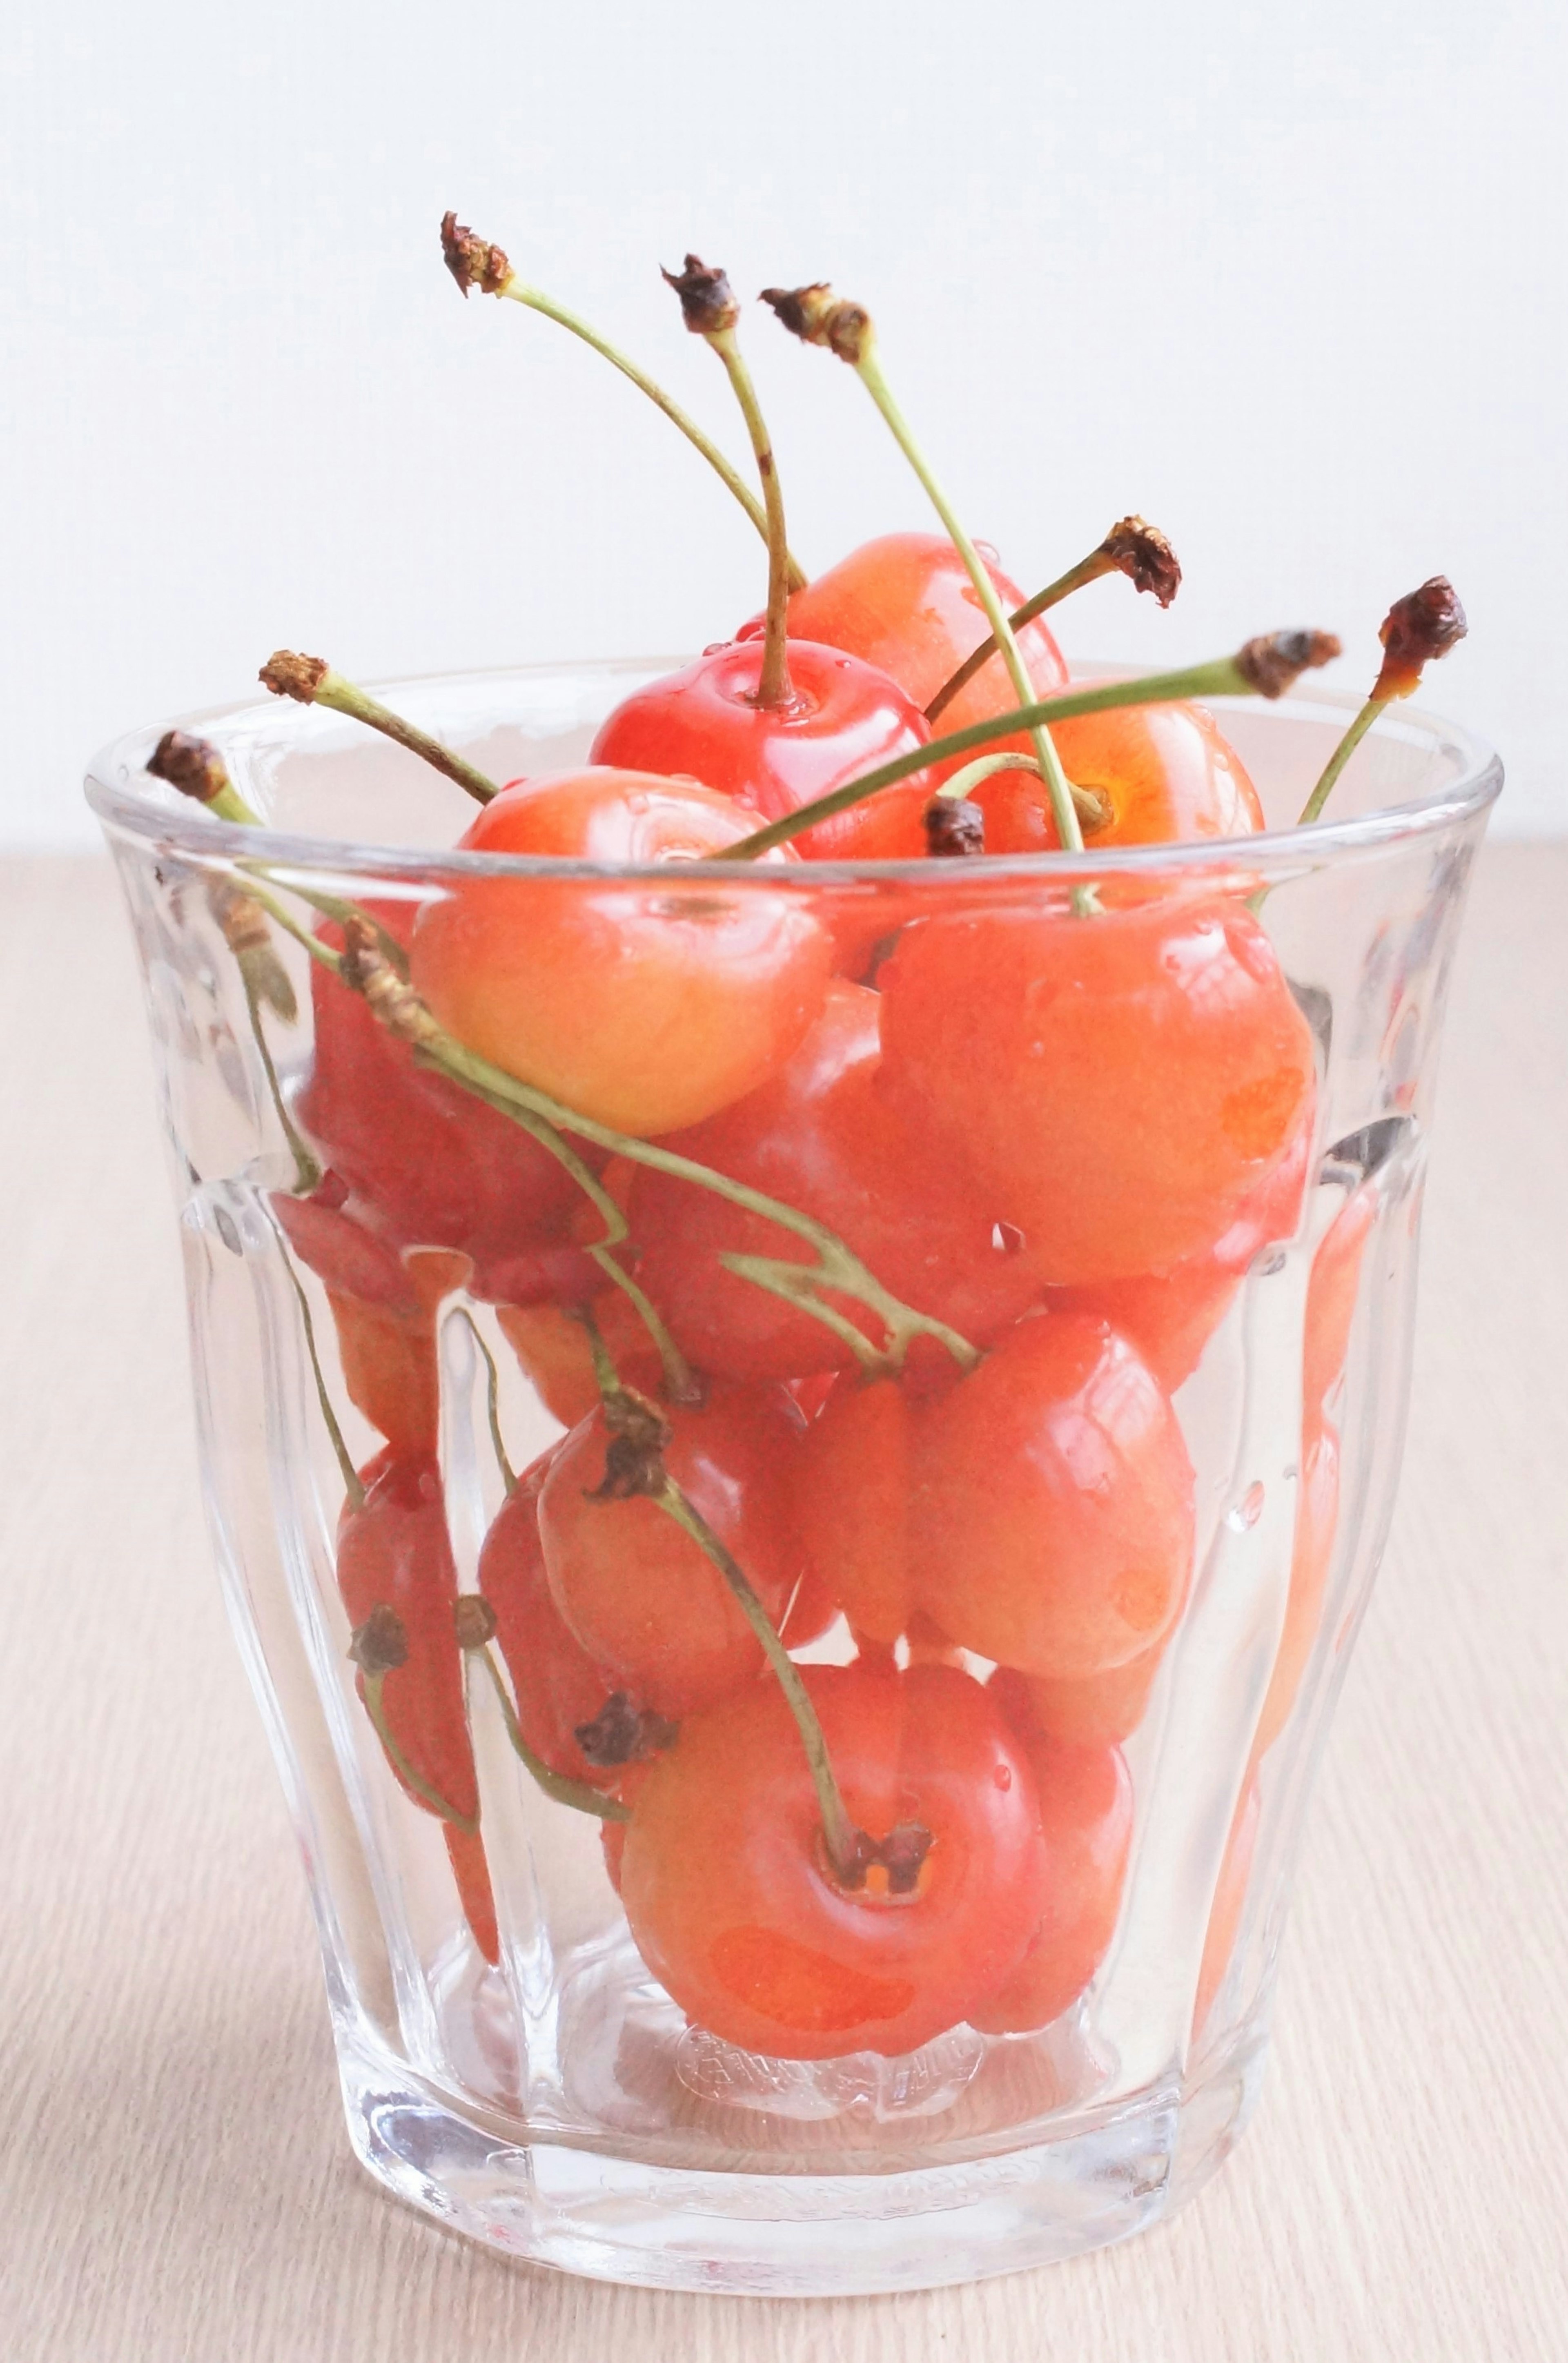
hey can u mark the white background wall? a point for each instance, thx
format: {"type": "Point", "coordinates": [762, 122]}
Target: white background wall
{"type": "Point", "coordinates": [1289, 280]}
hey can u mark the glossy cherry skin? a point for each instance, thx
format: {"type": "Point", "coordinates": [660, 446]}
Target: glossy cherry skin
{"type": "Point", "coordinates": [1052, 1521]}
{"type": "Point", "coordinates": [852, 1506]}
{"type": "Point", "coordinates": [644, 1008]}
{"type": "Point", "coordinates": [1123, 1081]}
{"type": "Point", "coordinates": [1171, 1316]}
{"type": "Point", "coordinates": [1086, 1814]}
{"type": "Point", "coordinates": [732, 1903]}
{"type": "Point", "coordinates": [1164, 773]}
{"type": "Point", "coordinates": [844, 718]}
{"type": "Point", "coordinates": [394, 1552]}
{"type": "Point", "coordinates": [904, 603]}
{"type": "Point", "coordinates": [821, 1137]}
{"type": "Point", "coordinates": [1092, 1711]}
{"type": "Point", "coordinates": [1316, 1520]}
{"type": "Point", "coordinates": [428, 1164]}
{"type": "Point", "coordinates": [638, 1593]}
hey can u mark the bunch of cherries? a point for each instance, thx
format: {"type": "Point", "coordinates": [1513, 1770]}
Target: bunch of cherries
{"type": "Point", "coordinates": [859, 1258]}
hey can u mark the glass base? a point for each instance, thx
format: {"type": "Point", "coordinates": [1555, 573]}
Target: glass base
{"type": "Point", "coordinates": [823, 2235]}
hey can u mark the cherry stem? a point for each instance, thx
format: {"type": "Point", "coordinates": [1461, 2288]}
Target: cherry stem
{"type": "Point", "coordinates": [1088, 570]}
{"type": "Point", "coordinates": [307, 1172]}
{"type": "Point", "coordinates": [312, 682]}
{"type": "Point", "coordinates": [1230, 676]}
{"type": "Point", "coordinates": [774, 688]}
{"type": "Point", "coordinates": [558, 1786]}
{"type": "Point", "coordinates": [519, 291]}
{"type": "Point", "coordinates": [1342, 755]}
{"type": "Point", "coordinates": [493, 1401]}
{"type": "Point", "coordinates": [1092, 810]}
{"type": "Point", "coordinates": [351, 1485]}
{"type": "Point", "coordinates": [372, 1686]}
{"type": "Point", "coordinates": [837, 1831]}
{"type": "Point", "coordinates": [868, 367]}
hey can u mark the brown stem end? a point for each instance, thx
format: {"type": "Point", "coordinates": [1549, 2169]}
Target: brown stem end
{"type": "Point", "coordinates": [473, 262]}
{"type": "Point", "coordinates": [623, 1734]}
{"type": "Point", "coordinates": [193, 765]}
{"type": "Point", "coordinates": [380, 1645]}
{"type": "Point", "coordinates": [708, 304]}
{"type": "Point", "coordinates": [817, 316]}
{"type": "Point", "coordinates": [287, 674]}
{"type": "Point", "coordinates": [1417, 630]}
{"type": "Point", "coordinates": [1270, 664]}
{"type": "Point", "coordinates": [1141, 551]}
{"type": "Point", "coordinates": [474, 1620]}
{"type": "Point", "coordinates": [954, 827]}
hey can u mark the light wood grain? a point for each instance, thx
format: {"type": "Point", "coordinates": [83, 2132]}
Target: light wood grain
{"type": "Point", "coordinates": [174, 2179]}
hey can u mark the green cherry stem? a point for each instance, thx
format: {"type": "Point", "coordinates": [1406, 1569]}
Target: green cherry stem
{"type": "Point", "coordinates": [1092, 809]}
{"type": "Point", "coordinates": [372, 1688]}
{"type": "Point", "coordinates": [1417, 630]}
{"type": "Point", "coordinates": [558, 1786]}
{"type": "Point", "coordinates": [814, 315]}
{"type": "Point", "coordinates": [312, 682]}
{"type": "Point", "coordinates": [1133, 547]}
{"type": "Point", "coordinates": [641, 1435]}
{"type": "Point", "coordinates": [710, 311]}
{"type": "Point", "coordinates": [1263, 668]}
{"type": "Point", "coordinates": [474, 263]}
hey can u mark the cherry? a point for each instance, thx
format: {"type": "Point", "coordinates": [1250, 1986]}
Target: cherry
{"type": "Point", "coordinates": [559, 1689]}
{"type": "Point", "coordinates": [904, 603]}
{"type": "Point", "coordinates": [394, 1557]}
{"type": "Point", "coordinates": [1171, 1316]}
{"type": "Point", "coordinates": [1092, 1711]}
{"type": "Point", "coordinates": [1162, 773]}
{"type": "Point", "coordinates": [553, 1353]}
{"type": "Point", "coordinates": [1051, 1516]}
{"type": "Point", "coordinates": [428, 1163]}
{"type": "Point", "coordinates": [852, 1506]}
{"type": "Point", "coordinates": [734, 1907]}
{"type": "Point", "coordinates": [842, 718]}
{"type": "Point", "coordinates": [1123, 1081]}
{"type": "Point", "coordinates": [819, 1136]}
{"type": "Point", "coordinates": [643, 1600]}
{"type": "Point", "coordinates": [1085, 1813]}
{"type": "Point", "coordinates": [1316, 1518]}
{"type": "Point", "coordinates": [643, 1009]}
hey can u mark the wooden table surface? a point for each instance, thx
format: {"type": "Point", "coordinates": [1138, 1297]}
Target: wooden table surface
{"type": "Point", "coordinates": [175, 2178]}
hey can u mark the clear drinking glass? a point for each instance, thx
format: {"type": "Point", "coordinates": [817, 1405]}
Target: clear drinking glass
{"type": "Point", "coordinates": [555, 2101]}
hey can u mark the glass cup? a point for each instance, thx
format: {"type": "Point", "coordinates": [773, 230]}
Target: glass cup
{"type": "Point", "coordinates": [1015, 2005]}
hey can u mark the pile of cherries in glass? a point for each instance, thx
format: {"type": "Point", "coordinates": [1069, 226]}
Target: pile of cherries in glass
{"type": "Point", "coordinates": [1044, 1134]}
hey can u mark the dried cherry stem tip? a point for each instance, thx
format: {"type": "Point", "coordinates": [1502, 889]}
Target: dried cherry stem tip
{"type": "Point", "coordinates": [311, 680]}
{"type": "Point", "coordinates": [1133, 547]}
{"type": "Point", "coordinates": [1264, 667]}
{"type": "Point", "coordinates": [475, 262]}
{"type": "Point", "coordinates": [818, 317]}
{"type": "Point", "coordinates": [1416, 631]}
{"type": "Point", "coordinates": [710, 311]}
{"type": "Point", "coordinates": [378, 1647]}
{"type": "Point", "coordinates": [196, 768]}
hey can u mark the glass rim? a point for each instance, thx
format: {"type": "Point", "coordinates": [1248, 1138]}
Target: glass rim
{"type": "Point", "coordinates": [190, 828]}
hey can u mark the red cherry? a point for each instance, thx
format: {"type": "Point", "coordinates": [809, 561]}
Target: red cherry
{"type": "Point", "coordinates": [1085, 1813]}
{"type": "Point", "coordinates": [905, 603]}
{"type": "Point", "coordinates": [733, 1906]}
{"type": "Point", "coordinates": [1171, 1316]}
{"type": "Point", "coordinates": [844, 717]}
{"type": "Point", "coordinates": [820, 1137]}
{"type": "Point", "coordinates": [640, 1596]}
{"type": "Point", "coordinates": [394, 1552]}
{"type": "Point", "coordinates": [642, 1008]}
{"type": "Point", "coordinates": [1164, 772]}
{"type": "Point", "coordinates": [559, 1689]}
{"type": "Point", "coordinates": [1092, 1711]}
{"type": "Point", "coordinates": [1124, 1080]}
{"type": "Point", "coordinates": [429, 1164]}
{"type": "Point", "coordinates": [1050, 1519]}
{"type": "Point", "coordinates": [852, 1506]}
{"type": "Point", "coordinates": [554, 1355]}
